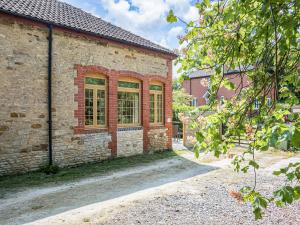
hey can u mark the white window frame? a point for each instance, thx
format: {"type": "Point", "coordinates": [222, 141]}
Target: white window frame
{"type": "Point", "coordinates": [206, 97]}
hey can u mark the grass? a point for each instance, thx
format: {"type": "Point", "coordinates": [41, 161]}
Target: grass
{"type": "Point", "coordinates": [38, 178]}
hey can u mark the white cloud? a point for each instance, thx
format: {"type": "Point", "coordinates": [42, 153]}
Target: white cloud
{"type": "Point", "coordinates": [171, 38]}
{"type": "Point", "coordinates": [175, 68]}
{"type": "Point", "coordinates": [163, 42]}
{"type": "Point", "coordinates": [192, 14]}
{"type": "Point", "coordinates": [147, 13]}
{"type": "Point", "coordinates": [148, 18]}
{"type": "Point", "coordinates": [184, 9]}
{"type": "Point", "coordinates": [175, 31]}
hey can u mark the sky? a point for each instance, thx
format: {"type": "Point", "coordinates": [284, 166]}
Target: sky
{"type": "Point", "coordinates": [146, 18]}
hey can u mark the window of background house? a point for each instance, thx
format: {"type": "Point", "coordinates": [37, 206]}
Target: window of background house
{"type": "Point", "coordinates": [194, 102]}
{"type": "Point", "coordinates": [95, 101]}
{"type": "Point", "coordinates": [269, 102]}
{"type": "Point", "coordinates": [129, 102]}
{"type": "Point", "coordinates": [156, 104]}
{"type": "Point", "coordinates": [206, 96]}
{"type": "Point", "coordinates": [222, 100]}
{"type": "Point", "coordinates": [256, 103]}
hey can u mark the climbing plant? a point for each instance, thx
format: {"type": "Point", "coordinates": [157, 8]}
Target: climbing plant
{"type": "Point", "coordinates": [259, 39]}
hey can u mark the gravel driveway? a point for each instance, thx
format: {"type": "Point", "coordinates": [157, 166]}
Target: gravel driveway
{"type": "Point", "coordinates": [180, 190]}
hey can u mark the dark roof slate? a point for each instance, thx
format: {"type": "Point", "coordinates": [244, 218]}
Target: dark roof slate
{"type": "Point", "coordinates": [65, 15]}
{"type": "Point", "coordinates": [208, 73]}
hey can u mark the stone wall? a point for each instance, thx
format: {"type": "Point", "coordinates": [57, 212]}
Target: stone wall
{"type": "Point", "coordinates": [130, 142]}
{"type": "Point", "coordinates": [82, 149]}
{"type": "Point", "coordinates": [23, 95]}
{"type": "Point", "coordinates": [158, 139]}
{"type": "Point", "coordinates": [69, 51]}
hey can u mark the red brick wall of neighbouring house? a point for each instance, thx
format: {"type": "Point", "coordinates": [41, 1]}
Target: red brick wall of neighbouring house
{"type": "Point", "coordinates": [198, 86]}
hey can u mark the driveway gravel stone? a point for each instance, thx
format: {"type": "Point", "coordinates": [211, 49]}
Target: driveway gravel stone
{"type": "Point", "coordinates": [181, 190]}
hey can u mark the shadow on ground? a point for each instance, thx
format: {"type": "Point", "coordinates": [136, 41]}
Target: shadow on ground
{"type": "Point", "coordinates": [51, 201]}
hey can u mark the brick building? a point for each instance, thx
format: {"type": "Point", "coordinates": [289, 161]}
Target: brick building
{"type": "Point", "coordinates": [198, 87]}
{"type": "Point", "coordinates": [76, 89]}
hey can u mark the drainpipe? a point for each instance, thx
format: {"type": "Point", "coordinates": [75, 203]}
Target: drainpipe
{"type": "Point", "coordinates": [50, 93]}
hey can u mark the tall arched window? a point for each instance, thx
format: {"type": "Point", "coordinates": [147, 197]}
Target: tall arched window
{"type": "Point", "coordinates": [129, 102]}
{"type": "Point", "coordinates": [95, 101]}
{"type": "Point", "coordinates": [156, 103]}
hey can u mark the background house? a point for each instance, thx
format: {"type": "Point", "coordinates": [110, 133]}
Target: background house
{"type": "Point", "coordinates": [199, 84]}
{"type": "Point", "coordinates": [76, 89]}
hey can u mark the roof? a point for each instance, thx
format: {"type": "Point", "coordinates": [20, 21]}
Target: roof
{"type": "Point", "coordinates": [201, 73]}
{"type": "Point", "coordinates": [65, 15]}
{"type": "Point", "coordinates": [208, 73]}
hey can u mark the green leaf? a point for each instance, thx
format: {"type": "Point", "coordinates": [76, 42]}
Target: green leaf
{"type": "Point", "coordinates": [277, 172]}
{"type": "Point", "coordinates": [197, 153]}
{"type": "Point", "coordinates": [295, 140]}
{"type": "Point", "coordinates": [257, 213]}
{"type": "Point", "coordinates": [245, 169]}
{"type": "Point", "coordinates": [297, 192]}
{"type": "Point", "coordinates": [229, 85]}
{"type": "Point", "coordinates": [199, 137]}
{"type": "Point", "coordinates": [254, 164]}
{"type": "Point", "coordinates": [171, 18]}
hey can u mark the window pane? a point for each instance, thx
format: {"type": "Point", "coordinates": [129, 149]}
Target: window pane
{"type": "Point", "coordinates": [159, 108]}
{"type": "Point", "coordinates": [152, 108]}
{"type": "Point", "coordinates": [126, 84]}
{"type": "Point", "coordinates": [88, 107]}
{"type": "Point", "coordinates": [256, 103]}
{"type": "Point", "coordinates": [94, 81]}
{"type": "Point", "coordinates": [269, 102]}
{"type": "Point", "coordinates": [100, 107]}
{"type": "Point", "coordinates": [155, 87]}
{"type": "Point", "coordinates": [128, 108]}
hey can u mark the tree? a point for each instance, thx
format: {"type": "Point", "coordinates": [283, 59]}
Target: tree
{"type": "Point", "coordinates": [181, 100]}
{"type": "Point", "coordinates": [260, 39]}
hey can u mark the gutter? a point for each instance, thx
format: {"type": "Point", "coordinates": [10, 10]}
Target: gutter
{"type": "Point", "coordinates": [50, 38]}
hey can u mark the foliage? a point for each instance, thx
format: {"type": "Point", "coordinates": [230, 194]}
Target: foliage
{"type": "Point", "coordinates": [260, 39]}
{"type": "Point", "coordinates": [180, 97]}
{"type": "Point", "coordinates": [181, 101]}
{"type": "Point", "coordinates": [176, 85]}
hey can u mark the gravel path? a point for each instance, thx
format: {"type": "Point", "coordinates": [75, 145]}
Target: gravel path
{"type": "Point", "coordinates": [200, 200]}
{"type": "Point", "coordinates": [174, 191]}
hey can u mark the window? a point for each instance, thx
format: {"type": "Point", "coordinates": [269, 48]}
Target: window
{"type": "Point", "coordinates": [269, 102]}
{"type": "Point", "coordinates": [128, 103]}
{"type": "Point", "coordinates": [95, 102]}
{"type": "Point", "coordinates": [194, 102]}
{"type": "Point", "coordinates": [256, 103]}
{"type": "Point", "coordinates": [156, 104]}
{"type": "Point", "coordinates": [206, 96]}
{"type": "Point", "coordinates": [222, 99]}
